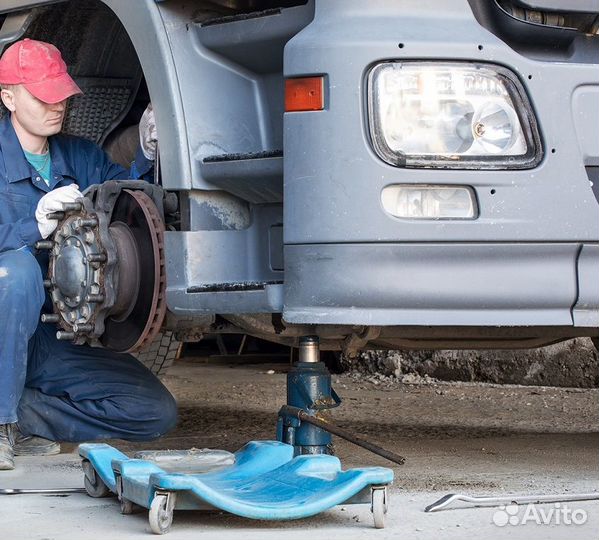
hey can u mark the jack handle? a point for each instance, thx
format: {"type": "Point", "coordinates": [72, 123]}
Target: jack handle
{"type": "Point", "coordinates": [303, 416]}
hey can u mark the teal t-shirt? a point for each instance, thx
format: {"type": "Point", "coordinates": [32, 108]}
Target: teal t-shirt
{"type": "Point", "coordinates": [42, 163]}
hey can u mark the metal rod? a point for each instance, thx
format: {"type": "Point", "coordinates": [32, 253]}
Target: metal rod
{"type": "Point", "coordinates": [83, 327]}
{"type": "Point", "coordinates": [96, 257]}
{"type": "Point", "coordinates": [40, 491]}
{"type": "Point", "coordinates": [71, 206]}
{"type": "Point", "coordinates": [309, 350]}
{"type": "Point", "coordinates": [65, 336]}
{"type": "Point", "coordinates": [86, 222]}
{"type": "Point", "coordinates": [303, 416]}
{"type": "Point", "coordinates": [446, 500]}
{"type": "Point", "coordinates": [242, 345]}
{"type": "Point", "coordinates": [44, 244]}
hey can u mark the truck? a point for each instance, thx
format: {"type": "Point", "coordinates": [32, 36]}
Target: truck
{"type": "Point", "coordinates": [381, 175]}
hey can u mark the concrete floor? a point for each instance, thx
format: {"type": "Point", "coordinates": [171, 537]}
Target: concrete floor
{"type": "Point", "coordinates": [468, 438]}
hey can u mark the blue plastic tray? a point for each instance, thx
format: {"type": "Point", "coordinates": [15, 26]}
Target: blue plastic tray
{"type": "Point", "coordinates": [266, 481]}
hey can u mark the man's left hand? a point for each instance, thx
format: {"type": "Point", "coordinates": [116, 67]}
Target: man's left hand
{"type": "Point", "coordinates": [148, 138]}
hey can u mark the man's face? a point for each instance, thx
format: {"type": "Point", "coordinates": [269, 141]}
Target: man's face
{"type": "Point", "coordinates": [34, 116]}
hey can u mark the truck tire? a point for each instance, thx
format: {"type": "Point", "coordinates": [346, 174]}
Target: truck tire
{"type": "Point", "coordinates": [161, 353]}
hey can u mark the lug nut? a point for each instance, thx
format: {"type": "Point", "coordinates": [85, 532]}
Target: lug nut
{"type": "Point", "coordinates": [94, 298]}
{"type": "Point", "coordinates": [50, 318]}
{"type": "Point", "coordinates": [96, 257]}
{"type": "Point", "coordinates": [83, 328]}
{"type": "Point", "coordinates": [44, 244]}
{"type": "Point", "coordinates": [65, 336]}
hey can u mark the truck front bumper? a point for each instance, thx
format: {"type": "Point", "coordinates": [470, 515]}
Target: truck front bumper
{"type": "Point", "coordinates": [443, 284]}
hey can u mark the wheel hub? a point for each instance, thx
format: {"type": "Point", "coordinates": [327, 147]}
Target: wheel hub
{"type": "Point", "coordinates": [106, 271]}
{"type": "Point", "coordinates": [72, 270]}
{"type": "Point", "coordinates": [76, 281]}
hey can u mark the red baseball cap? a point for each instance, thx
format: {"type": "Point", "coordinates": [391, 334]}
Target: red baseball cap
{"type": "Point", "coordinates": [39, 67]}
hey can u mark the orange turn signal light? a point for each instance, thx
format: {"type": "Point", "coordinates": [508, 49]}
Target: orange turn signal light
{"type": "Point", "coordinates": [304, 94]}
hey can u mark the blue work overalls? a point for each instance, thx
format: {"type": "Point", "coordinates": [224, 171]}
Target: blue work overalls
{"type": "Point", "coordinates": [52, 388]}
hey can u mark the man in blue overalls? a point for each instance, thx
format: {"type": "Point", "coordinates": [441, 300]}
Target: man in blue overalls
{"type": "Point", "coordinates": [53, 390]}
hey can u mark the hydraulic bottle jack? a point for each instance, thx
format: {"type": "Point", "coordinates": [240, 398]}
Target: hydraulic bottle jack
{"type": "Point", "coordinates": [305, 422]}
{"type": "Point", "coordinates": [308, 389]}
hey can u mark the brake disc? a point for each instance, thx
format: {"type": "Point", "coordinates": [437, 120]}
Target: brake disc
{"type": "Point", "coordinates": [106, 273]}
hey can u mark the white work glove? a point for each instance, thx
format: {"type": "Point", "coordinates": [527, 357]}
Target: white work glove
{"type": "Point", "coordinates": [52, 202]}
{"type": "Point", "coordinates": [148, 138]}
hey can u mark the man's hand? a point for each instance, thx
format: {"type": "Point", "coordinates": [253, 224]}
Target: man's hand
{"type": "Point", "coordinates": [52, 202]}
{"type": "Point", "coordinates": [148, 138]}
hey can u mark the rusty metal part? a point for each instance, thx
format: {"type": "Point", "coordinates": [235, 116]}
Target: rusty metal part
{"type": "Point", "coordinates": [129, 272]}
{"type": "Point", "coordinates": [158, 313]}
{"type": "Point", "coordinates": [355, 342]}
{"type": "Point", "coordinates": [150, 300]}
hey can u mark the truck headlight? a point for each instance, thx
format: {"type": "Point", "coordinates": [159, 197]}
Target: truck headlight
{"type": "Point", "coordinates": [451, 115]}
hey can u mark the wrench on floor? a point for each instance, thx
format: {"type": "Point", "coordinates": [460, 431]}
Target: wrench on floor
{"type": "Point", "coordinates": [50, 491]}
{"type": "Point", "coordinates": [447, 500]}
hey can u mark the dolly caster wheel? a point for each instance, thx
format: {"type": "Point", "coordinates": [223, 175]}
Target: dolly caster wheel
{"type": "Point", "coordinates": [94, 485]}
{"type": "Point", "coordinates": [161, 512]}
{"type": "Point", "coordinates": [379, 506]}
{"type": "Point", "coordinates": [127, 506]}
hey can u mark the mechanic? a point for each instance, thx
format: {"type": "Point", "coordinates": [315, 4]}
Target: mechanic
{"type": "Point", "coordinates": [54, 390]}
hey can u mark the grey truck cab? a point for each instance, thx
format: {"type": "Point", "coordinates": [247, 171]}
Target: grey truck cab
{"type": "Point", "coordinates": [381, 174]}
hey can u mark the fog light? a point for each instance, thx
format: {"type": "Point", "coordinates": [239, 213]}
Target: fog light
{"type": "Point", "coordinates": [429, 202]}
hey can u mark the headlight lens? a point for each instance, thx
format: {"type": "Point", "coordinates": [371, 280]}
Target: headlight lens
{"type": "Point", "coordinates": [424, 114]}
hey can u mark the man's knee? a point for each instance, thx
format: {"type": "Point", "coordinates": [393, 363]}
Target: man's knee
{"type": "Point", "coordinates": [160, 416]}
{"type": "Point", "coordinates": [21, 276]}
{"type": "Point", "coordinates": [21, 291]}
{"type": "Point", "coordinates": [167, 418]}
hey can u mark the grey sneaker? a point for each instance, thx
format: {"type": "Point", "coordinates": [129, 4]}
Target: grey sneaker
{"type": "Point", "coordinates": [7, 455]}
{"type": "Point", "coordinates": [32, 445]}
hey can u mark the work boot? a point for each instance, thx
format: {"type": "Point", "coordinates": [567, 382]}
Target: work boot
{"type": "Point", "coordinates": [32, 445]}
{"type": "Point", "coordinates": [7, 455]}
